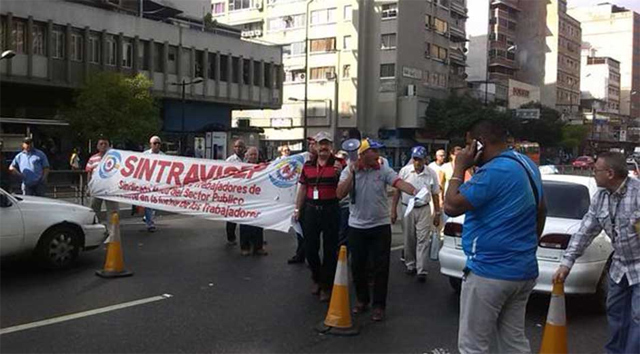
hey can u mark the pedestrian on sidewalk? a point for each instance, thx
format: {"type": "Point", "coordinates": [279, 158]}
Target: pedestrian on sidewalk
{"type": "Point", "coordinates": [615, 208]}
{"type": "Point", "coordinates": [252, 236]}
{"type": "Point", "coordinates": [437, 166]}
{"type": "Point", "coordinates": [149, 214]}
{"type": "Point", "coordinates": [504, 218]}
{"type": "Point", "coordinates": [370, 223]}
{"type": "Point", "coordinates": [102, 146]}
{"type": "Point", "coordinates": [299, 256]}
{"type": "Point", "coordinates": [239, 150]}
{"type": "Point", "coordinates": [418, 225]}
{"type": "Point", "coordinates": [32, 166]}
{"type": "Point", "coordinates": [318, 202]}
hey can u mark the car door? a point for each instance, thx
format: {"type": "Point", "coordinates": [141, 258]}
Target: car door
{"type": "Point", "coordinates": [12, 225]}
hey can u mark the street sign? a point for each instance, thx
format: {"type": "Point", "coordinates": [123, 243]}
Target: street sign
{"type": "Point", "coordinates": [533, 113]}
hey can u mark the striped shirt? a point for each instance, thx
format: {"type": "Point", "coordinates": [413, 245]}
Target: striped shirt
{"type": "Point", "coordinates": [323, 178]}
{"type": "Point", "coordinates": [93, 162]}
{"type": "Point", "coordinates": [618, 214]}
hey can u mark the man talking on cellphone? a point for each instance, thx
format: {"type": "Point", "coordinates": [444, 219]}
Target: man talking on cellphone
{"type": "Point", "coordinates": [504, 217]}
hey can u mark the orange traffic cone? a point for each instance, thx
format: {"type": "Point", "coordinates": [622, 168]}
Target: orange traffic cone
{"type": "Point", "coordinates": [554, 337]}
{"type": "Point", "coordinates": [114, 264]}
{"type": "Point", "coordinates": [338, 320]}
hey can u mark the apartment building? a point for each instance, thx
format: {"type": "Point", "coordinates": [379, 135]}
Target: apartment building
{"type": "Point", "coordinates": [614, 32]}
{"type": "Point", "coordinates": [60, 44]}
{"type": "Point", "coordinates": [369, 65]}
{"type": "Point", "coordinates": [529, 42]}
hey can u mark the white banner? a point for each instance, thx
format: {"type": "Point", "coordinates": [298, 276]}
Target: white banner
{"type": "Point", "coordinates": [261, 195]}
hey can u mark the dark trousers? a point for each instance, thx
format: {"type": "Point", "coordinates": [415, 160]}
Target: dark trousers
{"type": "Point", "coordinates": [321, 220]}
{"type": "Point", "coordinates": [343, 235]}
{"type": "Point", "coordinates": [37, 190]}
{"type": "Point", "coordinates": [375, 243]}
{"type": "Point", "coordinates": [251, 236]}
{"type": "Point", "coordinates": [231, 231]}
{"type": "Point", "coordinates": [300, 253]}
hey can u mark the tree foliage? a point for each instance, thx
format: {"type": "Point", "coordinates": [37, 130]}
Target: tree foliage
{"type": "Point", "coordinates": [573, 136]}
{"type": "Point", "coordinates": [113, 105]}
{"type": "Point", "coordinates": [452, 117]}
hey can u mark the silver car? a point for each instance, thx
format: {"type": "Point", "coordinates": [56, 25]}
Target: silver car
{"type": "Point", "coordinates": [568, 199]}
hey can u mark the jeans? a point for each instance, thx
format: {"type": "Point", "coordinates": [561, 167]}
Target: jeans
{"type": "Point", "coordinates": [374, 242]}
{"type": "Point", "coordinates": [148, 217]}
{"type": "Point", "coordinates": [321, 220]}
{"type": "Point", "coordinates": [623, 315]}
{"type": "Point", "coordinates": [251, 236]}
{"type": "Point", "coordinates": [37, 190]}
{"type": "Point", "coordinates": [492, 312]}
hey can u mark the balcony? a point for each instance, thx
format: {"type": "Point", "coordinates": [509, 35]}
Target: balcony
{"type": "Point", "coordinates": [457, 58]}
{"type": "Point", "coordinates": [501, 61]}
{"type": "Point", "coordinates": [457, 34]}
{"type": "Point", "coordinates": [458, 8]}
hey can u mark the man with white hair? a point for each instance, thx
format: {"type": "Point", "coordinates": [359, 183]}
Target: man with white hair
{"type": "Point", "coordinates": [155, 143]}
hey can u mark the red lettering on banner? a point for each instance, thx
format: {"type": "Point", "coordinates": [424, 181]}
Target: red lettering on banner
{"type": "Point", "coordinates": [192, 174]}
{"type": "Point", "coordinates": [147, 169]}
{"type": "Point", "coordinates": [128, 166]}
{"type": "Point", "coordinates": [204, 175]}
{"type": "Point", "coordinates": [163, 164]}
{"type": "Point", "coordinates": [176, 170]}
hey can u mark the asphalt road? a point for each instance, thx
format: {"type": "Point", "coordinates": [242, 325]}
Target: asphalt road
{"type": "Point", "coordinates": [224, 303]}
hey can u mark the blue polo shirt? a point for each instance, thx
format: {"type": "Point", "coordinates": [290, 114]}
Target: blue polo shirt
{"type": "Point", "coordinates": [499, 235]}
{"type": "Point", "coordinates": [31, 164]}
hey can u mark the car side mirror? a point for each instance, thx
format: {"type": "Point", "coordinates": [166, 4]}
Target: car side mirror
{"type": "Point", "coordinates": [5, 202]}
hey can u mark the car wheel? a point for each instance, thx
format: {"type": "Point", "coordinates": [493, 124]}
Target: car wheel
{"type": "Point", "coordinates": [456, 284]}
{"type": "Point", "coordinates": [602, 289]}
{"type": "Point", "coordinates": [59, 247]}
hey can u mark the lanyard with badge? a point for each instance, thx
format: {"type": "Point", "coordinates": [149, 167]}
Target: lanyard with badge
{"type": "Point", "coordinates": [316, 193]}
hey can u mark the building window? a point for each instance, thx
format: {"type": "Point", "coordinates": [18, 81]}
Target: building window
{"type": "Point", "coordinates": [76, 47]}
{"type": "Point", "coordinates": [439, 25]}
{"type": "Point", "coordinates": [94, 50]}
{"type": "Point", "coordinates": [437, 52]}
{"type": "Point", "coordinates": [321, 73]}
{"type": "Point", "coordinates": [211, 62]}
{"type": "Point", "coordinates": [346, 71]}
{"type": "Point", "coordinates": [387, 70]}
{"type": "Point", "coordinates": [321, 17]}
{"type": "Point", "coordinates": [111, 51]}
{"type": "Point", "coordinates": [217, 8]}
{"type": "Point", "coordinates": [144, 53]}
{"type": "Point", "coordinates": [348, 13]}
{"type": "Point", "coordinates": [224, 67]}
{"type": "Point", "coordinates": [38, 40]}
{"type": "Point", "coordinates": [235, 5]}
{"type": "Point", "coordinates": [256, 73]}
{"type": "Point", "coordinates": [286, 22]}
{"type": "Point", "coordinates": [428, 21]}
{"type": "Point", "coordinates": [3, 34]}
{"type": "Point", "coordinates": [296, 75]}
{"type": "Point", "coordinates": [235, 68]}
{"type": "Point", "coordinates": [127, 54]}
{"type": "Point", "coordinates": [323, 45]}
{"type": "Point", "coordinates": [158, 57]}
{"type": "Point", "coordinates": [388, 41]}
{"type": "Point", "coordinates": [246, 68]}
{"type": "Point", "coordinates": [389, 11]}
{"type": "Point", "coordinates": [57, 41]}
{"type": "Point", "coordinates": [296, 48]}
{"type": "Point", "coordinates": [172, 60]}
{"type": "Point", "coordinates": [346, 43]}
{"type": "Point", "coordinates": [19, 33]}
{"type": "Point", "coordinates": [268, 78]}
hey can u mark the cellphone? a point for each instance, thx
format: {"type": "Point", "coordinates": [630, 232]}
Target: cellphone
{"type": "Point", "coordinates": [479, 146]}
{"type": "Point", "coordinates": [479, 151]}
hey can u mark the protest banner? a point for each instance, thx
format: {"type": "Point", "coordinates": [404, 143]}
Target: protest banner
{"type": "Point", "coordinates": [260, 195]}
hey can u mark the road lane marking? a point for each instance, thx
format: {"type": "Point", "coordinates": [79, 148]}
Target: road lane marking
{"type": "Point", "coordinates": [74, 316]}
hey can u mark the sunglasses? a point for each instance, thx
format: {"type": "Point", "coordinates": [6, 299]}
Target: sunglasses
{"type": "Point", "coordinates": [156, 143]}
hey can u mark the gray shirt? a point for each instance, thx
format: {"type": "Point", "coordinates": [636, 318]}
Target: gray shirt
{"type": "Point", "coordinates": [371, 208]}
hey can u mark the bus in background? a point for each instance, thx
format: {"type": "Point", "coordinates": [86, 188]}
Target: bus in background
{"type": "Point", "coordinates": [531, 149]}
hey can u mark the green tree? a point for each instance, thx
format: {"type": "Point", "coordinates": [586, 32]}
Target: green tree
{"type": "Point", "coordinates": [119, 107]}
{"type": "Point", "coordinates": [546, 131]}
{"type": "Point", "coordinates": [573, 136]}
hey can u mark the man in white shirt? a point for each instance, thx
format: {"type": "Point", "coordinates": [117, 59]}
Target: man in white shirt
{"type": "Point", "coordinates": [418, 225]}
{"type": "Point", "coordinates": [439, 162]}
{"type": "Point", "coordinates": [155, 144]}
{"type": "Point", "coordinates": [239, 149]}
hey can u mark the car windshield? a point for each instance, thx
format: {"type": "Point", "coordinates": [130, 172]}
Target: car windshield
{"type": "Point", "coordinates": [566, 200]}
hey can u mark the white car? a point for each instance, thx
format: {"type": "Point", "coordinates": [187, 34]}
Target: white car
{"type": "Point", "coordinates": [54, 231]}
{"type": "Point", "coordinates": [568, 199]}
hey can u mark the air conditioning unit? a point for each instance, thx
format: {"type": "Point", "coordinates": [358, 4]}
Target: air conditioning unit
{"type": "Point", "coordinates": [411, 90]}
{"type": "Point", "coordinates": [244, 123]}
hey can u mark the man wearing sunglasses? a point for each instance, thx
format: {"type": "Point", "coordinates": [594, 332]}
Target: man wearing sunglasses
{"type": "Point", "coordinates": [155, 143]}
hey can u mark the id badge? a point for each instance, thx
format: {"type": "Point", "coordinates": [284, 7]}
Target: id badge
{"type": "Point", "coordinates": [316, 195]}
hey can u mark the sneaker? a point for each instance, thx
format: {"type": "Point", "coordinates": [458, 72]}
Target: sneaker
{"type": "Point", "coordinates": [402, 256]}
{"type": "Point", "coordinates": [232, 243]}
{"type": "Point", "coordinates": [260, 252]}
{"type": "Point", "coordinates": [422, 277]}
{"type": "Point", "coordinates": [151, 229]}
{"type": "Point", "coordinates": [245, 253]}
{"type": "Point", "coordinates": [295, 260]}
{"type": "Point", "coordinates": [411, 272]}
{"type": "Point", "coordinates": [378, 314]}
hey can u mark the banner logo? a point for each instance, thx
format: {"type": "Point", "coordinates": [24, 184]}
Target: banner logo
{"type": "Point", "coordinates": [111, 164]}
{"type": "Point", "coordinates": [287, 171]}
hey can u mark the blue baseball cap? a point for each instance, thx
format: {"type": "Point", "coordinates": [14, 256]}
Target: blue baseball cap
{"type": "Point", "coordinates": [367, 144]}
{"type": "Point", "coordinates": [419, 152]}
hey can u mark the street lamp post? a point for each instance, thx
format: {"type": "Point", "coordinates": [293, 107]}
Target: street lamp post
{"type": "Point", "coordinates": [183, 85]}
{"type": "Point", "coordinates": [306, 70]}
{"type": "Point", "coordinates": [7, 54]}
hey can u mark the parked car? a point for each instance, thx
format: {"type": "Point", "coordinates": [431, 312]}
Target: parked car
{"type": "Point", "coordinates": [583, 162]}
{"type": "Point", "coordinates": [52, 230]}
{"type": "Point", "coordinates": [634, 169]}
{"type": "Point", "coordinates": [568, 198]}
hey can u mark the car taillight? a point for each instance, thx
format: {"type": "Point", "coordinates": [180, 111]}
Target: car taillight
{"type": "Point", "coordinates": [453, 229]}
{"type": "Point", "coordinates": [555, 241]}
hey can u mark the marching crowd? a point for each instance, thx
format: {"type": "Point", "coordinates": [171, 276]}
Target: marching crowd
{"type": "Point", "coordinates": [343, 198]}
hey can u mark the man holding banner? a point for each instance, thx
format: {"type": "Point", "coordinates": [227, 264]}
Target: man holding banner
{"type": "Point", "coordinates": [252, 236]}
{"type": "Point", "coordinates": [239, 149]}
{"type": "Point", "coordinates": [155, 144]}
{"type": "Point", "coordinates": [103, 145]}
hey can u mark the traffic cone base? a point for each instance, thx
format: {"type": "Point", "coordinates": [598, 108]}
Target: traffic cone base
{"type": "Point", "coordinates": [114, 263]}
{"type": "Point", "coordinates": [338, 320]}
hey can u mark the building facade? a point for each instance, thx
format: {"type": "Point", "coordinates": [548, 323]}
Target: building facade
{"type": "Point", "coordinates": [59, 45]}
{"type": "Point", "coordinates": [533, 42]}
{"type": "Point", "coordinates": [369, 65]}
